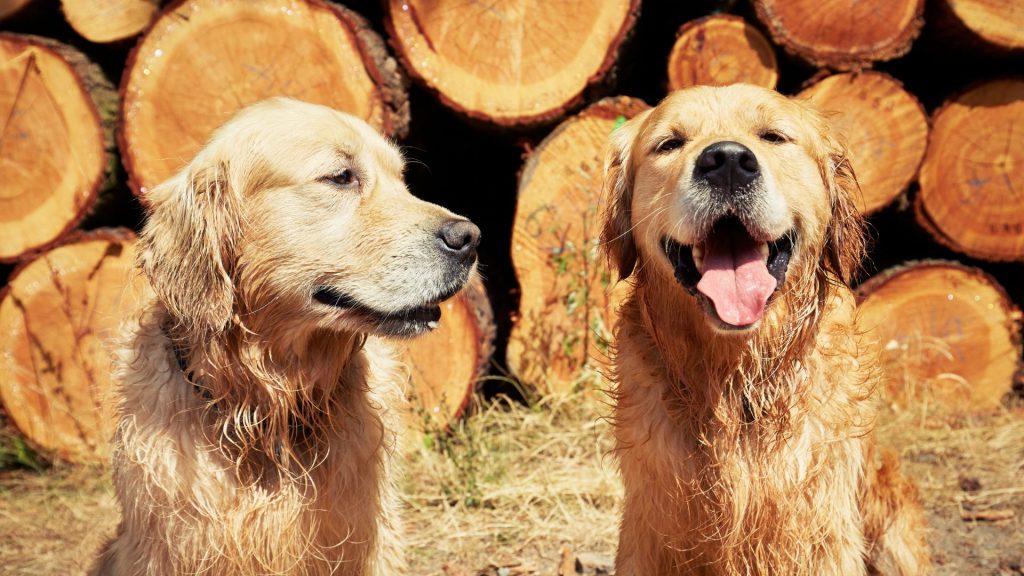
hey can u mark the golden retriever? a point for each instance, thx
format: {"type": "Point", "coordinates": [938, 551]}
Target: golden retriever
{"type": "Point", "coordinates": [258, 411]}
{"type": "Point", "coordinates": [742, 419]}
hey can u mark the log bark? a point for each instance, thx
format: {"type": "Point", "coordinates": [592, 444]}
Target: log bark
{"type": "Point", "coordinates": [10, 8]}
{"type": "Point", "coordinates": [720, 50]}
{"type": "Point", "coordinates": [446, 364]}
{"type": "Point", "coordinates": [59, 315]}
{"type": "Point", "coordinates": [203, 60]}
{"type": "Point", "coordinates": [105, 21]}
{"type": "Point", "coordinates": [885, 129]}
{"type": "Point", "coordinates": [949, 336]}
{"type": "Point", "coordinates": [56, 141]}
{"type": "Point", "coordinates": [511, 64]}
{"type": "Point", "coordinates": [992, 25]}
{"type": "Point", "coordinates": [972, 182]}
{"type": "Point", "coordinates": [842, 34]}
{"type": "Point", "coordinates": [562, 332]}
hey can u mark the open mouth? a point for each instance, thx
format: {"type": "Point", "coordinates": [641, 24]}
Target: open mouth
{"type": "Point", "coordinates": [730, 269]}
{"type": "Point", "coordinates": [405, 322]}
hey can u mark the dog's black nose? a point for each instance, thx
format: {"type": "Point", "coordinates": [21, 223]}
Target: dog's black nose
{"type": "Point", "coordinates": [461, 237]}
{"type": "Point", "coordinates": [728, 165]}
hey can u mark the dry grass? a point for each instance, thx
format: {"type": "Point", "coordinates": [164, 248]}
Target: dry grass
{"type": "Point", "coordinates": [967, 468]}
{"type": "Point", "coordinates": [52, 523]}
{"type": "Point", "coordinates": [511, 485]}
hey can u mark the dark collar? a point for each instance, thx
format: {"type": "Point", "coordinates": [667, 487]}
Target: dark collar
{"type": "Point", "coordinates": [182, 361]}
{"type": "Point", "coordinates": [297, 428]}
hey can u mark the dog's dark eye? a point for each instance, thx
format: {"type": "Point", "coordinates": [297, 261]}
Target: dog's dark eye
{"type": "Point", "coordinates": [670, 145]}
{"type": "Point", "coordinates": [346, 178]}
{"type": "Point", "coordinates": [774, 137]}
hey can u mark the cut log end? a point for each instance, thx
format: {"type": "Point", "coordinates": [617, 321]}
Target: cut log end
{"type": "Point", "coordinates": [57, 145]}
{"type": "Point", "coordinates": [972, 178]}
{"type": "Point", "coordinates": [567, 304]}
{"type": "Point", "coordinates": [949, 336]}
{"type": "Point", "coordinates": [884, 127]}
{"type": "Point", "coordinates": [721, 50]}
{"type": "Point", "coordinates": [446, 364]}
{"type": "Point", "coordinates": [59, 317]}
{"type": "Point", "coordinates": [105, 21]}
{"type": "Point", "coordinates": [845, 34]}
{"type": "Point", "coordinates": [998, 23]}
{"type": "Point", "coordinates": [504, 65]}
{"type": "Point", "coordinates": [203, 60]}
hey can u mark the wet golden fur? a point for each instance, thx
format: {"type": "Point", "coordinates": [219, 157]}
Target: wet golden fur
{"type": "Point", "coordinates": [273, 452]}
{"type": "Point", "coordinates": [748, 451]}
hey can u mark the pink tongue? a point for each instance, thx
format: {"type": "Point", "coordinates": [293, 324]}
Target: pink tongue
{"type": "Point", "coordinates": [735, 278]}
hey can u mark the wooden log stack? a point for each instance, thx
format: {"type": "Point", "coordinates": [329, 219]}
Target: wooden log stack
{"type": "Point", "coordinates": [204, 60]}
{"type": "Point", "coordinates": [57, 141]}
{"type": "Point", "coordinates": [511, 64]}
{"type": "Point", "coordinates": [562, 332]}
{"type": "Point", "coordinates": [719, 50]}
{"type": "Point", "coordinates": [59, 315]}
{"type": "Point", "coordinates": [518, 98]}
{"type": "Point", "coordinates": [885, 129]}
{"type": "Point", "coordinates": [988, 26]}
{"type": "Point", "coordinates": [105, 21]}
{"type": "Point", "coordinates": [843, 34]}
{"type": "Point", "coordinates": [972, 184]}
{"type": "Point", "coordinates": [949, 335]}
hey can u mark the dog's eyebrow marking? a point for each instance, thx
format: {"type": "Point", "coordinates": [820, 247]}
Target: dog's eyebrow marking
{"type": "Point", "coordinates": [344, 152]}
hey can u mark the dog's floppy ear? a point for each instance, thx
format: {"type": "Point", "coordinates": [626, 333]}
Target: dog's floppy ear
{"type": "Point", "coordinates": [845, 238]}
{"type": "Point", "coordinates": [187, 245]}
{"type": "Point", "coordinates": [617, 234]}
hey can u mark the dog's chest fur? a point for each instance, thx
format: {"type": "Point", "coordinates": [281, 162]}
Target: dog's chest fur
{"type": "Point", "coordinates": [180, 489]}
{"type": "Point", "coordinates": [729, 490]}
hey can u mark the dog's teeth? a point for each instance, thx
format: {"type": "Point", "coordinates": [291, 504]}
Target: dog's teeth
{"type": "Point", "coordinates": [764, 251]}
{"type": "Point", "coordinates": [432, 324]}
{"type": "Point", "coordinates": [698, 259]}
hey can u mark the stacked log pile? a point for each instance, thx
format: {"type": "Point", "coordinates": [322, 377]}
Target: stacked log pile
{"type": "Point", "coordinates": [507, 104]}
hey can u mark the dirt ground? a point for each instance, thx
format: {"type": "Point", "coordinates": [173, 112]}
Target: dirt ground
{"type": "Point", "coordinates": [512, 488]}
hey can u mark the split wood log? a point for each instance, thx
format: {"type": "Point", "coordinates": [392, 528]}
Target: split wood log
{"type": "Point", "coordinates": [949, 336]}
{"type": "Point", "coordinates": [994, 24]}
{"type": "Point", "coordinates": [720, 50]}
{"type": "Point", "coordinates": [885, 129]}
{"type": "Point", "coordinates": [446, 364]}
{"type": "Point", "coordinates": [105, 21]}
{"type": "Point", "coordinates": [842, 34]}
{"type": "Point", "coordinates": [56, 141]}
{"type": "Point", "coordinates": [59, 318]}
{"type": "Point", "coordinates": [972, 178]}
{"type": "Point", "coordinates": [567, 304]}
{"type": "Point", "coordinates": [510, 63]}
{"type": "Point", "coordinates": [203, 60]}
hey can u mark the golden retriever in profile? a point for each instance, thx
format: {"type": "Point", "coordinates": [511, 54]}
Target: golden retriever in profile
{"type": "Point", "coordinates": [742, 416]}
{"type": "Point", "coordinates": [258, 411]}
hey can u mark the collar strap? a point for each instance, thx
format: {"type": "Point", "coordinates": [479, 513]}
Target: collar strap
{"type": "Point", "coordinates": [179, 357]}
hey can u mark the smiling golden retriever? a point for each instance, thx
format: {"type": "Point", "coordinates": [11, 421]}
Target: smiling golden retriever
{"type": "Point", "coordinates": [258, 419]}
{"type": "Point", "coordinates": [742, 418]}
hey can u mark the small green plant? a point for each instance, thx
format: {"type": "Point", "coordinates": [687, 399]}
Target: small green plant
{"type": "Point", "coordinates": [468, 460]}
{"type": "Point", "coordinates": [577, 267]}
{"type": "Point", "coordinates": [16, 453]}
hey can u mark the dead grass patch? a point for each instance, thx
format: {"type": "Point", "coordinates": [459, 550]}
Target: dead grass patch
{"type": "Point", "coordinates": [511, 485]}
